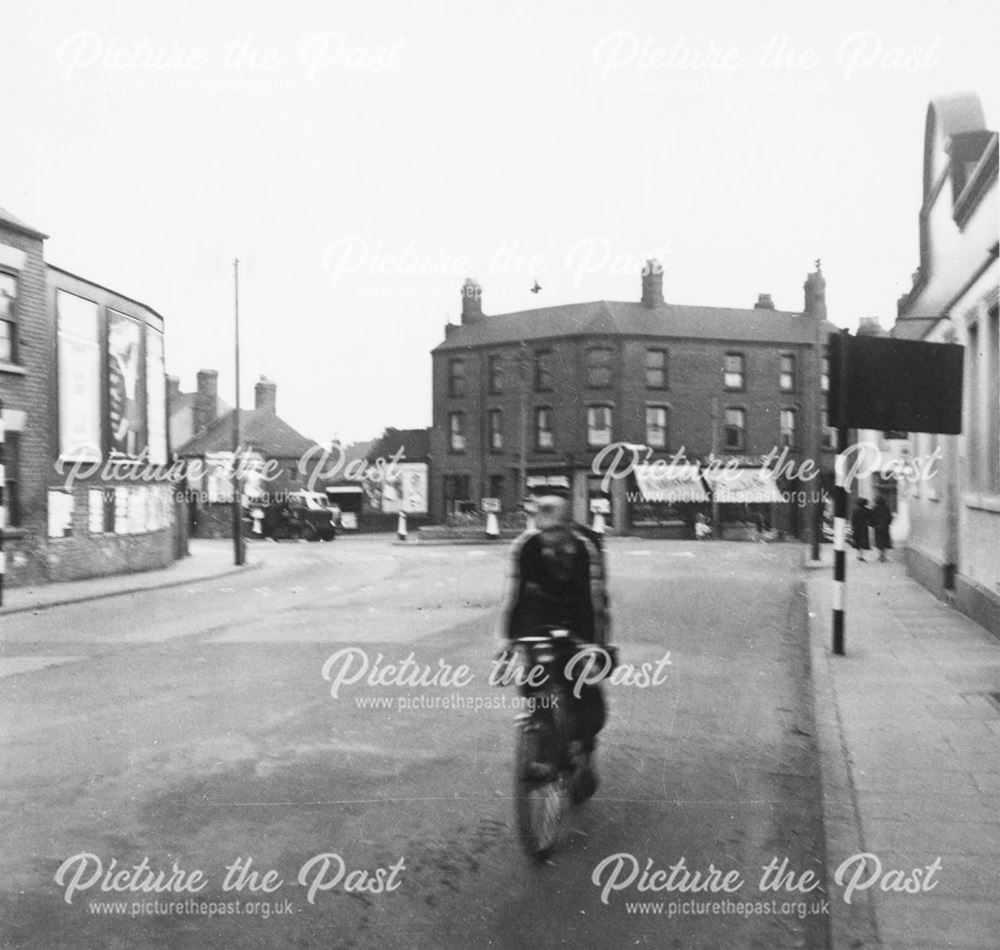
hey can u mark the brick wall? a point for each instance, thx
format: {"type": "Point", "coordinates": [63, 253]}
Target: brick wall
{"type": "Point", "coordinates": [694, 379]}
{"type": "Point", "coordinates": [30, 392]}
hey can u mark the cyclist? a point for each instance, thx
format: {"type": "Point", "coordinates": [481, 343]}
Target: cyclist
{"type": "Point", "coordinates": [557, 579]}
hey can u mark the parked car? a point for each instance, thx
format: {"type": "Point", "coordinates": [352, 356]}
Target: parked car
{"type": "Point", "coordinates": [301, 514]}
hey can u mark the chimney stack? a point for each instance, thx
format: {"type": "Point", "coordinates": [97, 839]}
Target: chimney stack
{"type": "Point", "coordinates": [472, 301]}
{"type": "Point", "coordinates": [206, 399]}
{"type": "Point", "coordinates": [652, 284]}
{"type": "Point", "coordinates": [265, 395]}
{"type": "Point", "coordinates": [764, 302]}
{"type": "Point", "coordinates": [173, 393]}
{"type": "Point", "coordinates": [815, 294]}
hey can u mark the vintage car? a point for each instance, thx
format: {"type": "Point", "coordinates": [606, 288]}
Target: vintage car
{"type": "Point", "coordinates": [300, 514]}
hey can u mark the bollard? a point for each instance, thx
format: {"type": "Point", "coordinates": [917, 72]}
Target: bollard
{"type": "Point", "coordinates": [492, 525]}
{"type": "Point", "coordinates": [401, 526]}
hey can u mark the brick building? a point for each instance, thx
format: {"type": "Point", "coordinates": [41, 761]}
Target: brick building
{"type": "Point", "coordinates": [953, 543]}
{"type": "Point", "coordinates": [265, 439]}
{"type": "Point", "coordinates": [528, 395]}
{"type": "Point", "coordinates": [83, 391]}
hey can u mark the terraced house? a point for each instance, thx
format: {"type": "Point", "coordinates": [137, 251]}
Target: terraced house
{"type": "Point", "coordinates": [540, 393]}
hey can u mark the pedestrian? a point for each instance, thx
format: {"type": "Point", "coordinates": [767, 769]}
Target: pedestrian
{"type": "Point", "coordinates": [860, 521]}
{"type": "Point", "coordinates": [881, 519]}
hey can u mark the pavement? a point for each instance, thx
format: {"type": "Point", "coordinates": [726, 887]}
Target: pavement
{"type": "Point", "coordinates": [208, 559]}
{"type": "Point", "coordinates": [909, 742]}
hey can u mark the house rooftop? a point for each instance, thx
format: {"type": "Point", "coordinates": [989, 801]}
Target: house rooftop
{"type": "Point", "coordinates": [615, 318]}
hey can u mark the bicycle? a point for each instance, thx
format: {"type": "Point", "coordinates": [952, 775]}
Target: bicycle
{"type": "Point", "coordinates": [551, 769]}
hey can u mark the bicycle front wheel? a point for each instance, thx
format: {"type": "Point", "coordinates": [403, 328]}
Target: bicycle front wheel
{"type": "Point", "coordinates": [541, 791]}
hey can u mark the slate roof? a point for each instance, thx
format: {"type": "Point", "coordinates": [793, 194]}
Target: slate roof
{"type": "Point", "coordinates": [614, 318]}
{"type": "Point", "coordinates": [259, 428]}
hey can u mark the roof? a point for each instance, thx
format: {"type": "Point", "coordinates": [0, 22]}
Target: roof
{"type": "Point", "coordinates": [18, 225]}
{"type": "Point", "coordinates": [415, 443]}
{"type": "Point", "coordinates": [613, 318]}
{"type": "Point", "coordinates": [109, 290]}
{"type": "Point", "coordinates": [259, 428]}
{"type": "Point", "coordinates": [184, 401]}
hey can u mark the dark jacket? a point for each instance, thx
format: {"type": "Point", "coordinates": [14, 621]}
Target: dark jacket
{"type": "Point", "coordinates": [557, 579]}
{"type": "Point", "coordinates": [881, 519]}
{"type": "Point", "coordinates": [860, 520]}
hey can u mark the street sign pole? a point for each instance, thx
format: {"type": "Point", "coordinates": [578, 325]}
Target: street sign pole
{"type": "Point", "coordinates": [840, 504]}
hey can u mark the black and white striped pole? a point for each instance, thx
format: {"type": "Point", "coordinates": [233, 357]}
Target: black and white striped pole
{"type": "Point", "coordinates": [3, 503]}
{"type": "Point", "coordinates": [840, 502]}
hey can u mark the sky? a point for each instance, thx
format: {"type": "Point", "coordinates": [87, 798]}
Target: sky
{"type": "Point", "coordinates": [362, 159]}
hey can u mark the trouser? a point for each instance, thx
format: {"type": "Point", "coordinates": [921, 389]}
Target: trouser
{"type": "Point", "coordinates": [587, 711]}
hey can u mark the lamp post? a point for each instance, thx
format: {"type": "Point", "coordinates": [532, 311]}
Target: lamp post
{"type": "Point", "coordinates": [238, 552]}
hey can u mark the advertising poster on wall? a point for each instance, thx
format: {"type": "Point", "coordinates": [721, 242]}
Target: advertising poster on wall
{"type": "Point", "coordinates": [156, 396]}
{"type": "Point", "coordinates": [408, 491]}
{"type": "Point", "coordinates": [124, 351]}
{"type": "Point", "coordinates": [79, 377]}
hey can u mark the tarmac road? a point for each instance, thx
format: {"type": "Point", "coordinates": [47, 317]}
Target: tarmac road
{"type": "Point", "coordinates": [195, 726]}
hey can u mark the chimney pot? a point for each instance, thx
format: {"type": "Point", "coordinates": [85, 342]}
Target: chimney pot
{"type": "Point", "coordinates": [652, 283]}
{"type": "Point", "coordinates": [472, 301]}
{"type": "Point", "coordinates": [764, 302]}
{"type": "Point", "coordinates": [265, 395]}
{"type": "Point", "coordinates": [815, 294]}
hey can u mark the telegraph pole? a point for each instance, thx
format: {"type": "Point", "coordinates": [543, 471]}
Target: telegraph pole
{"type": "Point", "coordinates": [238, 552]}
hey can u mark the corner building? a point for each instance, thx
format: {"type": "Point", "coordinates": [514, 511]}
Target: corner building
{"type": "Point", "coordinates": [537, 393]}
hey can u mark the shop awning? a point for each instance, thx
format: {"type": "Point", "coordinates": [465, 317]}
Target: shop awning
{"type": "Point", "coordinates": [743, 486]}
{"type": "Point", "coordinates": [672, 484]}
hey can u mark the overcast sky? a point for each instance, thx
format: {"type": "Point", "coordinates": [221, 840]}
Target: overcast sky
{"type": "Point", "coordinates": [361, 159]}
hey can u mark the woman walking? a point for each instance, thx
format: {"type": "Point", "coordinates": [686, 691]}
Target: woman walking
{"type": "Point", "coordinates": [881, 519]}
{"type": "Point", "coordinates": [860, 520]}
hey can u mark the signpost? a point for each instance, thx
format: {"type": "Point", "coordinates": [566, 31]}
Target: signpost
{"type": "Point", "coordinates": [884, 384]}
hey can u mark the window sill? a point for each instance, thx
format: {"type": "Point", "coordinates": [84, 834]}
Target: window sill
{"type": "Point", "coordinates": [14, 534]}
{"type": "Point", "coordinates": [13, 369]}
{"type": "Point", "coordinates": [980, 502]}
